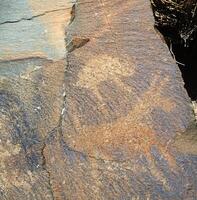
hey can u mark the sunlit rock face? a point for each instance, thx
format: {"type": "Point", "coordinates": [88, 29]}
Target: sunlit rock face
{"type": "Point", "coordinates": [91, 103]}
{"type": "Point", "coordinates": [33, 28]}
{"type": "Point", "coordinates": [32, 65]}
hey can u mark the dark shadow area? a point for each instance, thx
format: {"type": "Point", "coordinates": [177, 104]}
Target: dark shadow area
{"type": "Point", "coordinates": [185, 56]}
{"type": "Point", "coordinates": [177, 22]}
{"type": "Point", "coordinates": [188, 56]}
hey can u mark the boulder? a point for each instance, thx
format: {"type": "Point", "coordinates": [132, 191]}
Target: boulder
{"type": "Point", "coordinates": [92, 104]}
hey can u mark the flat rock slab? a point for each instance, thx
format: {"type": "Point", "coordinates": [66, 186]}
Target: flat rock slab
{"type": "Point", "coordinates": [95, 108]}
{"type": "Point", "coordinates": [33, 28]}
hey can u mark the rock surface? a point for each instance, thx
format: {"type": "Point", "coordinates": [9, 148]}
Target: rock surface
{"type": "Point", "coordinates": [101, 116]}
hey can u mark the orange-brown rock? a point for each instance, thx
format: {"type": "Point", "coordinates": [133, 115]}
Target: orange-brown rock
{"type": "Point", "coordinates": [103, 116]}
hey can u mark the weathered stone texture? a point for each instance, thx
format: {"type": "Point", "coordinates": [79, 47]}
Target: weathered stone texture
{"type": "Point", "coordinates": [97, 117]}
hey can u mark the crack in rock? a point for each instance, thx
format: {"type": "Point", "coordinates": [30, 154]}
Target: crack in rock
{"type": "Point", "coordinates": [59, 125]}
{"type": "Point", "coordinates": [46, 170]}
{"type": "Point", "coordinates": [33, 17]}
{"type": "Point", "coordinates": [72, 13]}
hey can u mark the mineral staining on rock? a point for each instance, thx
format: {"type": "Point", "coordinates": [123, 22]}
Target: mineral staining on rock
{"type": "Point", "coordinates": [91, 103]}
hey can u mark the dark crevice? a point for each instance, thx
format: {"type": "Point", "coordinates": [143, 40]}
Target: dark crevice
{"type": "Point", "coordinates": [46, 170]}
{"type": "Point", "coordinates": [176, 20]}
{"type": "Point", "coordinates": [72, 13]}
{"type": "Point", "coordinates": [187, 55]}
{"type": "Point", "coordinates": [186, 58]}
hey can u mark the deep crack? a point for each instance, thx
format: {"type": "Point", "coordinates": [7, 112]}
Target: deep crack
{"type": "Point", "coordinates": [59, 125]}
{"type": "Point", "coordinates": [46, 170]}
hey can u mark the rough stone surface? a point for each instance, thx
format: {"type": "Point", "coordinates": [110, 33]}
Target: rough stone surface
{"type": "Point", "coordinates": [103, 116]}
{"type": "Point", "coordinates": [33, 28]}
